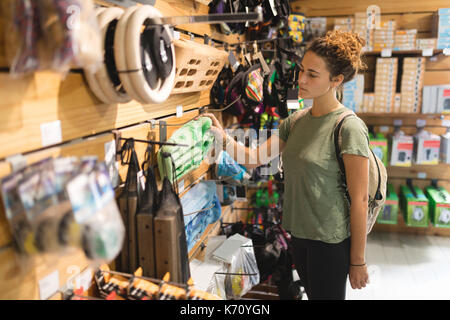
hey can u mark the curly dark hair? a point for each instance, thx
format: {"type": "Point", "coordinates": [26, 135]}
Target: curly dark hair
{"type": "Point", "coordinates": [341, 52]}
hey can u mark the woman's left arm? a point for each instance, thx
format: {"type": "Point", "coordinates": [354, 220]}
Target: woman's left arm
{"type": "Point", "coordinates": [357, 176]}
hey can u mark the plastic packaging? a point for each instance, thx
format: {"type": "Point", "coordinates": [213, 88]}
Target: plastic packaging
{"type": "Point", "coordinates": [22, 33]}
{"type": "Point", "coordinates": [95, 210]}
{"type": "Point", "coordinates": [71, 34]}
{"type": "Point", "coordinates": [242, 270]}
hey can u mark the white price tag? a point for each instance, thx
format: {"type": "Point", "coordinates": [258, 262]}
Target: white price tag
{"type": "Point", "coordinates": [446, 51]}
{"type": "Point", "coordinates": [427, 52]}
{"type": "Point", "coordinates": [421, 122]}
{"type": "Point", "coordinates": [422, 175]}
{"type": "Point", "coordinates": [51, 133]}
{"type": "Point", "coordinates": [398, 122]}
{"type": "Point", "coordinates": [49, 285]}
{"type": "Point", "coordinates": [84, 279]}
{"type": "Point", "coordinates": [386, 53]}
{"type": "Point", "coordinates": [176, 35]}
{"type": "Point", "coordinates": [446, 123]}
{"type": "Point", "coordinates": [384, 129]}
{"type": "Point", "coordinates": [179, 111]}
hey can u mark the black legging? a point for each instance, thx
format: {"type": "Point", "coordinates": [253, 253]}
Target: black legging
{"type": "Point", "coordinates": [322, 267]}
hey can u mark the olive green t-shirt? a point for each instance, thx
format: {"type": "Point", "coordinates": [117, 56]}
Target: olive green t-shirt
{"type": "Point", "coordinates": [314, 205]}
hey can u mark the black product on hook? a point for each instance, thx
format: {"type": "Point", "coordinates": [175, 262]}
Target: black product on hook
{"type": "Point", "coordinates": [129, 202]}
{"type": "Point", "coordinates": [209, 18]}
{"type": "Point", "coordinates": [170, 236]}
{"type": "Point", "coordinates": [144, 218]}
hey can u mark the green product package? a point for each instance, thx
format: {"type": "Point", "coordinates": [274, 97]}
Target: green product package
{"type": "Point", "coordinates": [414, 205]}
{"type": "Point", "coordinates": [198, 138]}
{"type": "Point", "coordinates": [389, 213]}
{"type": "Point", "coordinates": [379, 146]}
{"type": "Point", "coordinates": [439, 206]}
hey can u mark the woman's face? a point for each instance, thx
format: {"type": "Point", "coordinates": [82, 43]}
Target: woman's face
{"type": "Point", "coordinates": [314, 77]}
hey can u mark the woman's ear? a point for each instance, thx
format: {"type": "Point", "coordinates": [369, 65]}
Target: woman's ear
{"type": "Point", "coordinates": [337, 81]}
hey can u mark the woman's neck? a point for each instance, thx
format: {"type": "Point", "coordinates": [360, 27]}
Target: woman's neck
{"type": "Point", "coordinates": [325, 104]}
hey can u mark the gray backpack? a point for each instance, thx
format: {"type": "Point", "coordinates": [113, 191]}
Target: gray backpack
{"type": "Point", "coordinates": [377, 170]}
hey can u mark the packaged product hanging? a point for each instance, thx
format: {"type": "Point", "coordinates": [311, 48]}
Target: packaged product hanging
{"type": "Point", "coordinates": [171, 248]}
{"type": "Point", "coordinates": [197, 136]}
{"type": "Point", "coordinates": [129, 203]}
{"type": "Point", "coordinates": [145, 216]}
{"type": "Point", "coordinates": [57, 205]}
{"type": "Point", "coordinates": [201, 207]}
{"type": "Point", "coordinates": [242, 273]}
{"type": "Point", "coordinates": [71, 34]}
{"type": "Point", "coordinates": [22, 32]}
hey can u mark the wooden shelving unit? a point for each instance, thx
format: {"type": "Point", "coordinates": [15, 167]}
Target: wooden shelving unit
{"type": "Point", "coordinates": [86, 126]}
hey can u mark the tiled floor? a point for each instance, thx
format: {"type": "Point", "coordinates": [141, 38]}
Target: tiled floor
{"type": "Point", "coordinates": [404, 266]}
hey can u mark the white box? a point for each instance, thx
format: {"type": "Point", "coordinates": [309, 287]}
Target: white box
{"type": "Point", "coordinates": [443, 99]}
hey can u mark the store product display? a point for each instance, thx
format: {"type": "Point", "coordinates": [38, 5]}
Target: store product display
{"type": "Point", "coordinates": [412, 84]}
{"type": "Point", "coordinates": [201, 207]}
{"type": "Point", "coordinates": [414, 205]}
{"type": "Point", "coordinates": [145, 61]}
{"type": "Point", "coordinates": [401, 149]}
{"type": "Point", "coordinates": [105, 82]}
{"type": "Point", "coordinates": [385, 84]}
{"type": "Point", "coordinates": [63, 203]}
{"type": "Point", "coordinates": [441, 27]}
{"type": "Point", "coordinates": [134, 286]}
{"type": "Point", "coordinates": [171, 245]}
{"type": "Point", "coordinates": [129, 202]}
{"type": "Point", "coordinates": [197, 137]}
{"type": "Point", "coordinates": [146, 213]}
{"type": "Point", "coordinates": [426, 147]}
{"type": "Point", "coordinates": [439, 206]}
{"type": "Point", "coordinates": [389, 213]}
{"type": "Point", "coordinates": [44, 35]}
{"type": "Point", "coordinates": [444, 154]}
{"type": "Point", "coordinates": [379, 146]}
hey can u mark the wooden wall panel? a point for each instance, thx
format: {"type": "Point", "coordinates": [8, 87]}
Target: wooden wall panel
{"type": "Point", "coordinates": [433, 77]}
{"type": "Point", "coordinates": [44, 98]}
{"type": "Point", "coordinates": [23, 284]}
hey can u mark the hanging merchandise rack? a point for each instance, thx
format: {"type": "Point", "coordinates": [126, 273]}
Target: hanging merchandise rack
{"type": "Point", "coordinates": [256, 16]}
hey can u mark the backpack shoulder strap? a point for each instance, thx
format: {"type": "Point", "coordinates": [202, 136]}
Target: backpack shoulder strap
{"type": "Point", "coordinates": [297, 115]}
{"type": "Point", "coordinates": [337, 148]}
{"type": "Point", "coordinates": [338, 138]}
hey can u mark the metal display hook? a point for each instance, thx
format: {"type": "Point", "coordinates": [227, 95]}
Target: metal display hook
{"type": "Point", "coordinates": [256, 16]}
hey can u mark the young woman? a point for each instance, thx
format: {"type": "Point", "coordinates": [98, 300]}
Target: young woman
{"type": "Point", "coordinates": [315, 210]}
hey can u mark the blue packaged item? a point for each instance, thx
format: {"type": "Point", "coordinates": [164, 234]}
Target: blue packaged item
{"type": "Point", "coordinates": [202, 195]}
{"type": "Point", "coordinates": [229, 170]}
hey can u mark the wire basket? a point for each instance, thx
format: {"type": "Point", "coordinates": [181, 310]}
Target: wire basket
{"type": "Point", "coordinates": [197, 66]}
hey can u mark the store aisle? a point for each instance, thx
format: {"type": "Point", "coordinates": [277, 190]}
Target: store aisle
{"type": "Point", "coordinates": [404, 266]}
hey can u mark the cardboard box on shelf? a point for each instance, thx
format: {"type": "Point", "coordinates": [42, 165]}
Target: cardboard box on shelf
{"type": "Point", "coordinates": [422, 44]}
{"type": "Point", "coordinates": [397, 100]}
{"type": "Point", "coordinates": [429, 103]}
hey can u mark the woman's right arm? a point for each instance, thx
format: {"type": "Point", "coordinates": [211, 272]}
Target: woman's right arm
{"type": "Point", "coordinates": [248, 157]}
